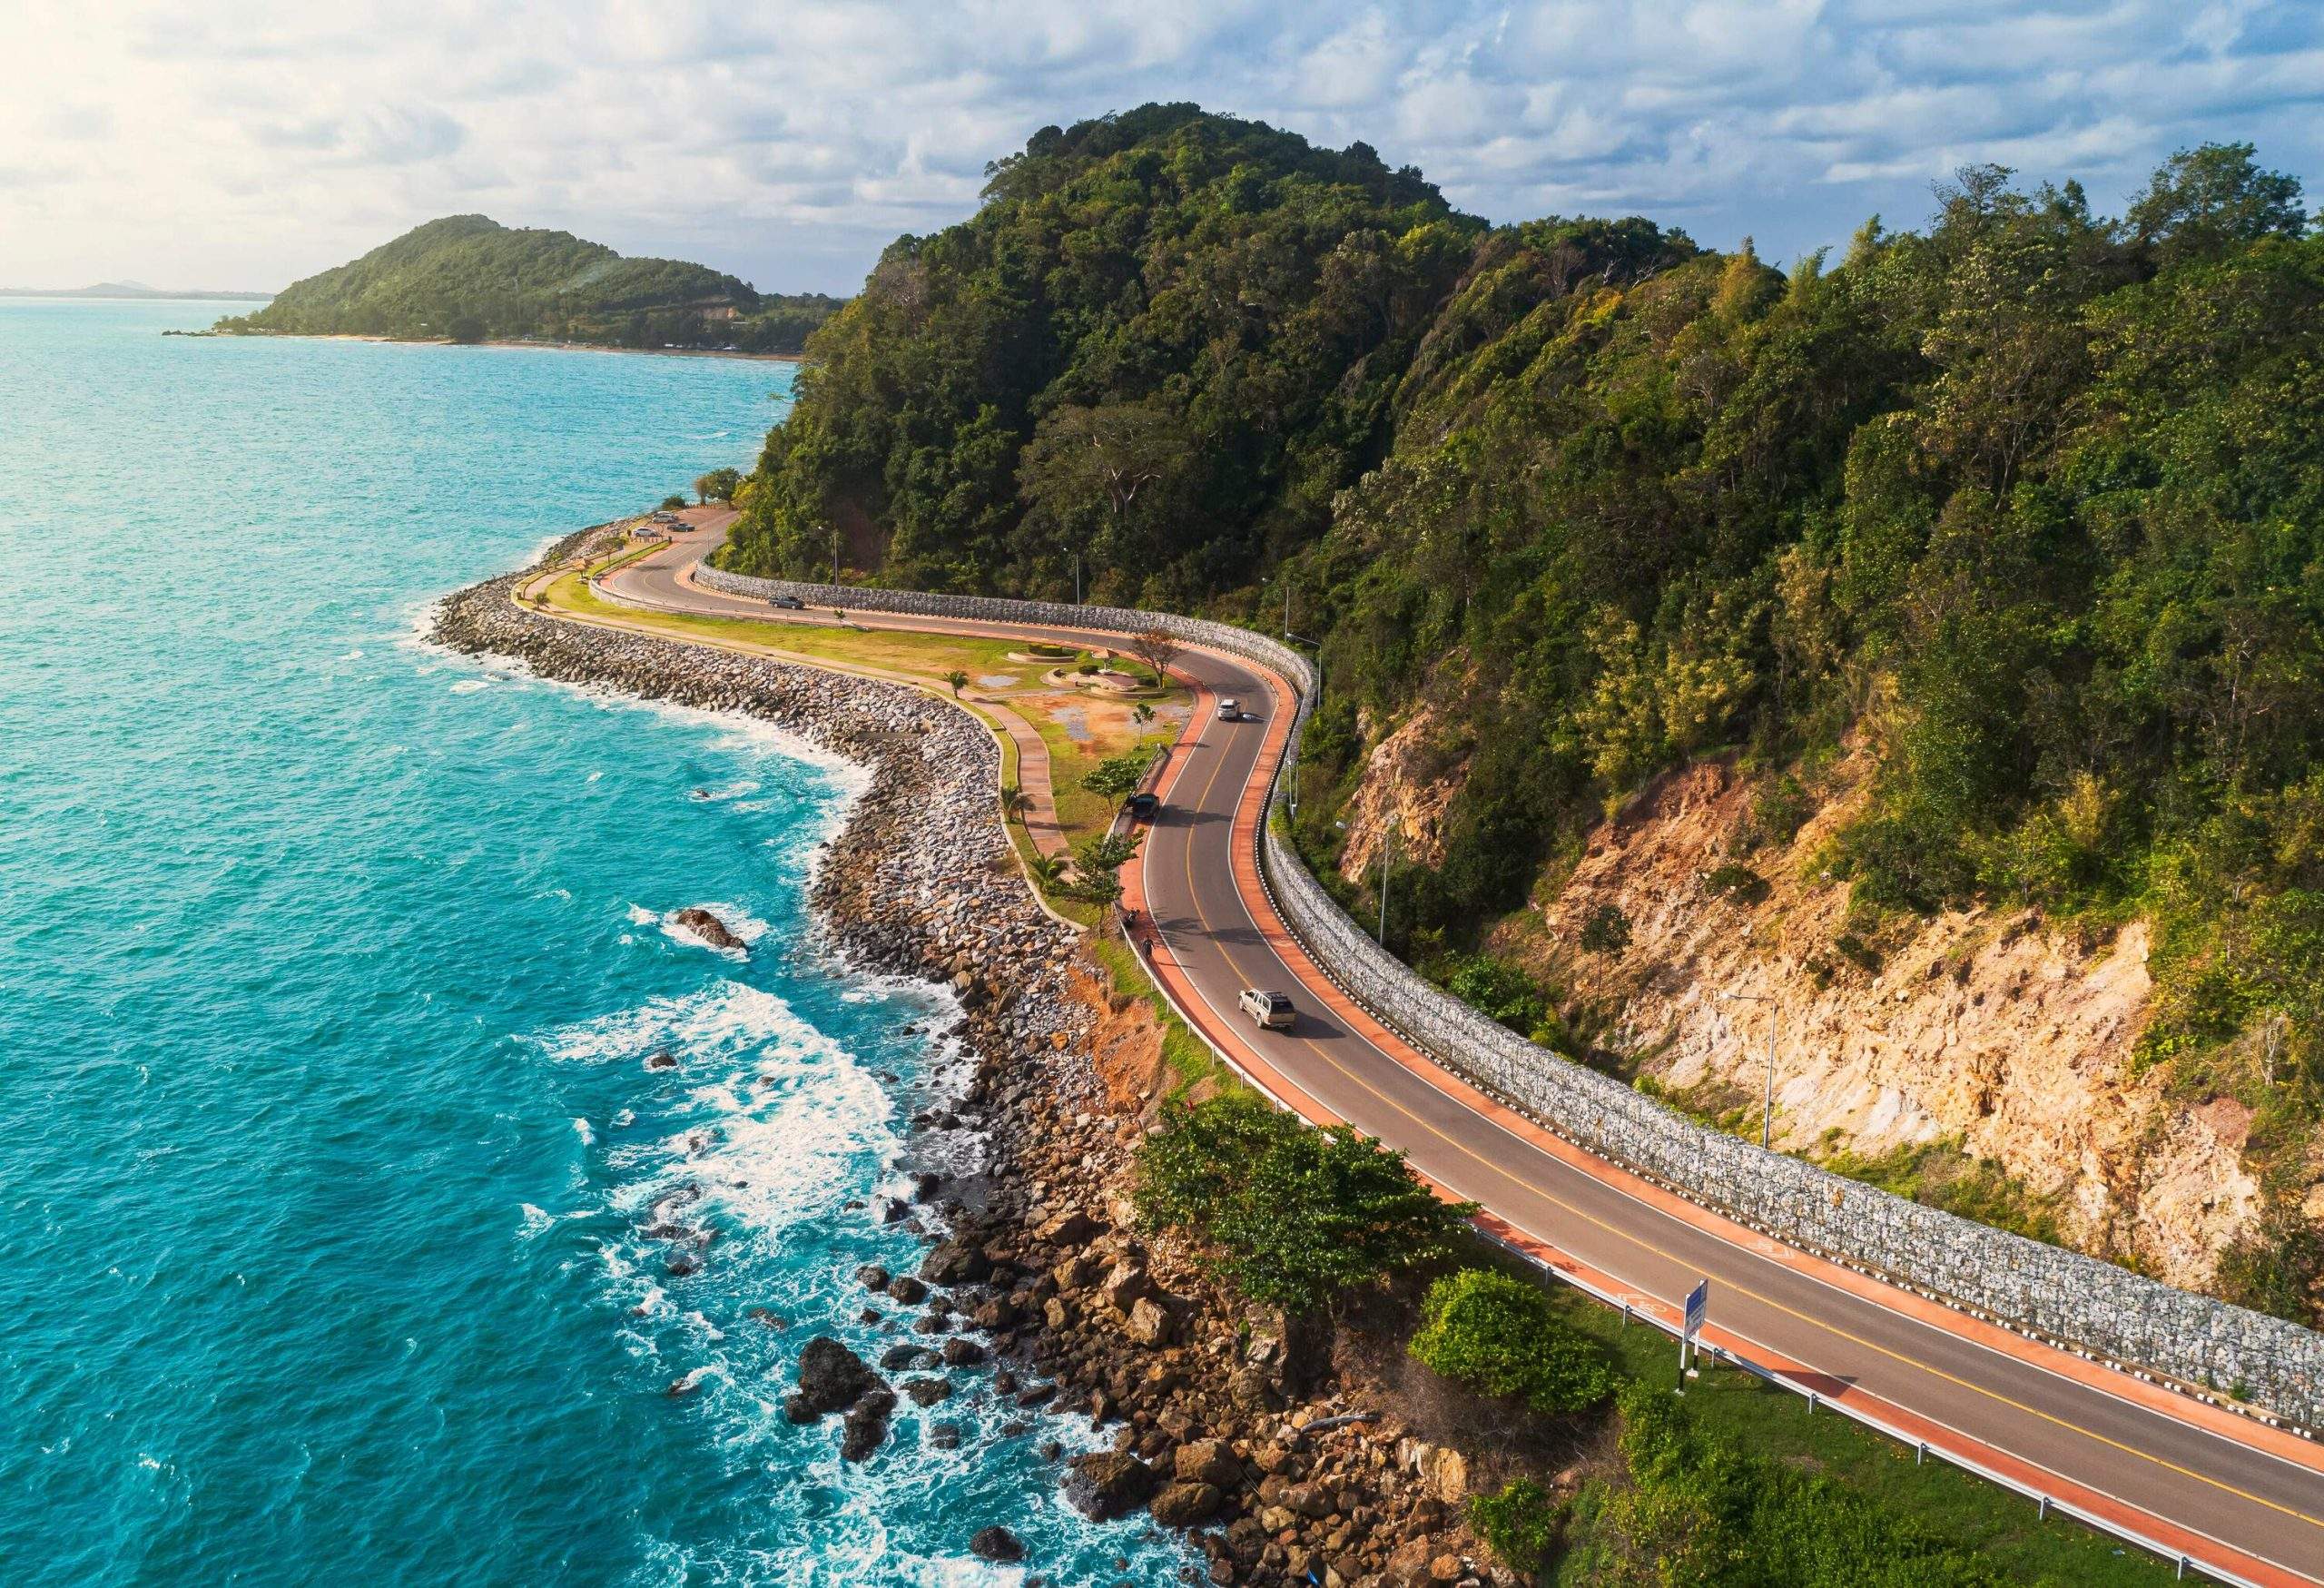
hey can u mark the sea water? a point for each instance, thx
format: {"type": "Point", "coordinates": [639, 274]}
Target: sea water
{"type": "Point", "coordinates": [329, 965]}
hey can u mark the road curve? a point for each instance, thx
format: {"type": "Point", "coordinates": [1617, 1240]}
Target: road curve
{"type": "Point", "coordinates": [2234, 1497]}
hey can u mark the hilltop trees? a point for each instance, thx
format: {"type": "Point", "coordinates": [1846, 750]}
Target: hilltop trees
{"type": "Point", "coordinates": [2019, 515]}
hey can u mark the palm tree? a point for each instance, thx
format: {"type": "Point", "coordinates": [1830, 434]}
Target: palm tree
{"type": "Point", "coordinates": [956, 678]}
{"type": "Point", "coordinates": [1014, 803]}
{"type": "Point", "coordinates": [1047, 870]}
{"type": "Point", "coordinates": [1143, 713]}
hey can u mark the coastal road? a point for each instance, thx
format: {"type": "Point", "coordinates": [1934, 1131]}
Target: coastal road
{"type": "Point", "coordinates": [2232, 1497]}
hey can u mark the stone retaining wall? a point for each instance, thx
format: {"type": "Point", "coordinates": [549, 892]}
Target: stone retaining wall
{"type": "Point", "coordinates": [2047, 1291]}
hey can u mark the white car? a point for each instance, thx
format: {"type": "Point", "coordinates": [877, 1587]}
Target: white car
{"type": "Point", "coordinates": [1271, 1011]}
{"type": "Point", "coordinates": [1230, 710]}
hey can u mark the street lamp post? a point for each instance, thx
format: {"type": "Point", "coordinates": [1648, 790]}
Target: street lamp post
{"type": "Point", "coordinates": [1768, 1107]}
{"type": "Point", "coordinates": [1319, 647]}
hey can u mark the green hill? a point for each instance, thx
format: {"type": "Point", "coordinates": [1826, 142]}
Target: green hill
{"type": "Point", "coordinates": [470, 279]}
{"type": "Point", "coordinates": [2027, 506]}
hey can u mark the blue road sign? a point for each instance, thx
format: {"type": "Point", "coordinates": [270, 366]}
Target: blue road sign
{"type": "Point", "coordinates": [1697, 1304]}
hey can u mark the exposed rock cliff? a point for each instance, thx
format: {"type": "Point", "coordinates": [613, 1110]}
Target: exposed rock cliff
{"type": "Point", "coordinates": [1984, 1030]}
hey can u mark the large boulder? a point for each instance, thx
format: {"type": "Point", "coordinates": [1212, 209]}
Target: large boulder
{"type": "Point", "coordinates": [1208, 1461]}
{"type": "Point", "coordinates": [955, 1262]}
{"type": "Point", "coordinates": [831, 1377]}
{"type": "Point", "coordinates": [866, 1427]}
{"type": "Point", "coordinates": [709, 929]}
{"type": "Point", "coordinates": [1186, 1504]}
{"type": "Point", "coordinates": [996, 1544]}
{"type": "Point", "coordinates": [1107, 1484]}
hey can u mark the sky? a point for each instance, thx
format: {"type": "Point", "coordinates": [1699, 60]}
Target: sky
{"type": "Point", "coordinates": [243, 143]}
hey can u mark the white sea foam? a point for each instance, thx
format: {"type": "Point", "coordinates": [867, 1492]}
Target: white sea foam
{"type": "Point", "coordinates": [470, 685]}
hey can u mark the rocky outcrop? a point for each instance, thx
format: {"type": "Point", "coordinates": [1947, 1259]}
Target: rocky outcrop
{"type": "Point", "coordinates": [1979, 1027]}
{"type": "Point", "coordinates": [832, 1379]}
{"type": "Point", "coordinates": [707, 926]}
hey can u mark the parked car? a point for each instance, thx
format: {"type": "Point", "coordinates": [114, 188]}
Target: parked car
{"type": "Point", "coordinates": [788, 603]}
{"type": "Point", "coordinates": [1230, 710]}
{"type": "Point", "coordinates": [1143, 805]}
{"type": "Point", "coordinates": [1271, 1011]}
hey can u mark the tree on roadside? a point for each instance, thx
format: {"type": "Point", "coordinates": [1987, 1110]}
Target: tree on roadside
{"type": "Point", "coordinates": [1157, 648]}
{"type": "Point", "coordinates": [1096, 864]}
{"type": "Point", "coordinates": [673, 502]}
{"type": "Point", "coordinates": [957, 680]}
{"type": "Point", "coordinates": [1298, 1215]}
{"type": "Point", "coordinates": [721, 483]}
{"type": "Point", "coordinates": [1117, 776]}
{"type": "Point", "coordinates": [1048, 870]}
{"type": "Point", "coordinates": [1014, 803]}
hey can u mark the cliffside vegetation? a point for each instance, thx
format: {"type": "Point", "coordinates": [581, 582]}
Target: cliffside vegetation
{"type": "Point", "coordinates": [468, 278]}
{"type": "Point", "coordinates": [2027, 504]}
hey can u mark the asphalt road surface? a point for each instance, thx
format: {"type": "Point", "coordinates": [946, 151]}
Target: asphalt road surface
{"type": "Point", "coordinates": [2216, 1481]}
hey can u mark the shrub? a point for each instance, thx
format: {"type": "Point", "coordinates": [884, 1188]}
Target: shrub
{"type": "Point", "coordinates": [1520, 1523]}
{"type": "Point", "coordinates": [673, 502]}
{"type": "Point", "coordinates": [1502, 1336]}
{"type": "Point", "coordinates": [1300, 1215]}
{"type": "Point", "coordinates": [1607, 931]}
{"type": "Point", "coordinates": [1739, 884]}
{"type": "Point", "coordinates": [1496, 989]}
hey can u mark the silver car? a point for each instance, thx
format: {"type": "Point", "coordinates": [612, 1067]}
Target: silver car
{"type": "Point", "coordinates": [1271, 1011]}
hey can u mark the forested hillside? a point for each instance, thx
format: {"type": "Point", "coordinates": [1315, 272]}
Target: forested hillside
{"type": "Point", "coordinates": [2020, 510]}
{"type": "Point", "coordinates": [470, 279]}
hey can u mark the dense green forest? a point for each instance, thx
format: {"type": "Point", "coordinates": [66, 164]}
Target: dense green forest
{"type": "Point", "coordinates": [470, 279]}
{"type": "Point", "coordinates": [2025, 505]}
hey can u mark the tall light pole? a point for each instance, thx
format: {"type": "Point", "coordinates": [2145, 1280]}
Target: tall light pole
{"type": "Point", "coordinates": [1318, 646]}
{"type": "Point", "coordinates": [1077, 578]}
{"type": "Point", "coordinates": [1768, 1108]}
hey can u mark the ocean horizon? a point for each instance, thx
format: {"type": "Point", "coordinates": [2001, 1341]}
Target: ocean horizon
{"type": "Point", "coordinates": [332, 966]}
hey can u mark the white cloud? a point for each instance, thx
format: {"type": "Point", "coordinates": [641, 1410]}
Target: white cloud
{"type": "Point", "coordinates": [245, 142]}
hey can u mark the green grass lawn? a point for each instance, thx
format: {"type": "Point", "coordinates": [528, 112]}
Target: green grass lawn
{"type": "Point", "coordinates": [1941, 1499]}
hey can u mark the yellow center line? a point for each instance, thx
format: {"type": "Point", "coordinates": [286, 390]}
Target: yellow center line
{"type": "Point", "coordinates": [1195, 898]}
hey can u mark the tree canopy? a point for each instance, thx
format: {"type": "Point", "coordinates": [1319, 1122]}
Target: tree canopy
{"type": "Point", "coordinates": [2019, 516]}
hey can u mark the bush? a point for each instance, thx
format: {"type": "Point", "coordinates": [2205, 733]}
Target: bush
{"type": "Point", "coordinates": [673, 502]}
{"type": "Point", "coordinates": [1502, 1336]}
{"type": "Point", "coordinates": [1607, 931]}
{"type": "Point", "coordinates": [1739, 884]}
{"type": "Point", "coordinates": [1495, 989]}
{"type": "Point", "coordinates": [1300, 1215]}
{"type": "Point", "coordinates": [1520, 1523]}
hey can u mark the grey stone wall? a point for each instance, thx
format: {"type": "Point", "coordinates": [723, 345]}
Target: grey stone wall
{"type": "Point", "coordinates": [2046, 1291]}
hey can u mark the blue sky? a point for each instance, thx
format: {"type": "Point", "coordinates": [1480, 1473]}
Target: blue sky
{"type": "Point", "coordinates": [244, 142]}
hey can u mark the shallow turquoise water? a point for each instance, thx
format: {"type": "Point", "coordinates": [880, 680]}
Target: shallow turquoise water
{"type": "Point", "coordinates": [328, 968]}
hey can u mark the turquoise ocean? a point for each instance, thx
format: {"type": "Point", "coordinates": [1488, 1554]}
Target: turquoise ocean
{"type": "Point", "coordinates": [328, 968]}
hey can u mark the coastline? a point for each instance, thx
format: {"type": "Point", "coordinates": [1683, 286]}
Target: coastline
{"type": "Point", "coordinates": [438, 341]}
{"type": "Point", "coordinates": [1036, 1283]}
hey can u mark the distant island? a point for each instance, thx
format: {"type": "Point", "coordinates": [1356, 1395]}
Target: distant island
{"type": "Point", "coordinates": [130, 290]}
{"type": "Point", "coordinates": [468, 278]}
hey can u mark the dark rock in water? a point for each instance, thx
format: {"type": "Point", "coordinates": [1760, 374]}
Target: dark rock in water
{"type": "Point", "coordinates": [956, 1262]}
{"type": "Point", "coordinates": [871, 1277]}
{"type": "Point", "coordinates": [866, 1428]}
{"type": "Point", "coordinates": [896, 1359]}
{"type": "Point", "coordinates": [1107, 1484]}
{"type": "Point", "coordinates": [831, 1377]}
{"type": "Point", "coordinates": [767, 1317]}
{"type": "Point", "coordinates": [682, 1267]}
{"type": "Point", "coordinates": [944, 1437]}
{"type": "Point", "coordinates": [996, 1544]}
{"type": "Point", "coordinates": [927, 1392]}
{"type": "Point", "coordinates": [925, 1185]}
{"type": "Point", "coordinates": [662, 1062]}
{"type": "Point", "coordinates": [963, 1353]}
{"type": "Point", "coordinates": [709, 928]}
{"type": "Point", "coordinates": [1051, 1450]}
{"type": "Point", "coordinates": [892, 1210]}
{"type": "Point", "coordinates": [903, 1287]}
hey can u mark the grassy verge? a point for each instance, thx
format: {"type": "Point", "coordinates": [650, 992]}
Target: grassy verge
{"type": "Point", "coordinates": [1189, 1058]}
{"type": "Point", "coordinates": [1741, 1410]}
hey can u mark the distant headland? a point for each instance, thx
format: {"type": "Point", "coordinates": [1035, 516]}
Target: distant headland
{"type": "Point", "coordinates": [133, 290]}
{"type": "Point", "coordinates": [468, 278]}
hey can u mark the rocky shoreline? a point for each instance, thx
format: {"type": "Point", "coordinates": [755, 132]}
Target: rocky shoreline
{"type": "Point", "coordinates": [1037, 1276]}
